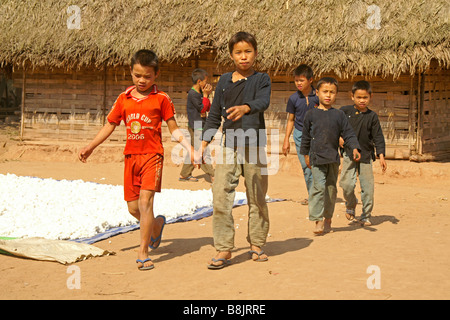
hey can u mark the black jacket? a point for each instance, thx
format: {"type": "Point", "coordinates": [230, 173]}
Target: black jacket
{"type": "Point", "coordinates": [368, 131]}
{"type": "Point", "coordinates": [255, 93]}
{"type": "Point", "coordinates": [321, 132]}
{"type": "Point", "coordinates": [194, 107]}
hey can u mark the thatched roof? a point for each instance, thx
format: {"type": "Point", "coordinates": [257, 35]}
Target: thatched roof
{"type": "Point", "coordinates": [339, 36]}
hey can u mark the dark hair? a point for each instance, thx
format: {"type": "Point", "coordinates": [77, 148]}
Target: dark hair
{"type": "Point", "coordinates": [198, 74]}
{"type": "Point", "coordinates": [328, 80]}
{"type": "Point", "coordinates": [304, 70]}
{"type": "Point", "coordinates": [242, 36]}
{"type": "Point", "coordinates": [362, 85]}
{"type": "Point", "coordinates": [146, 58]}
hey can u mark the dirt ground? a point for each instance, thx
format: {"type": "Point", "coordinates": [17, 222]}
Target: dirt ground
{"type": "Point", "coordinates": [403, 255]}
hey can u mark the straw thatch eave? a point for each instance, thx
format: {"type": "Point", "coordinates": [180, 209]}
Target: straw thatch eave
{"type": "Point", "coordinates": [333, 36]}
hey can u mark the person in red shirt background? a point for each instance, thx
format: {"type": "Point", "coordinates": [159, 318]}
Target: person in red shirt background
{"type": "Point", "coordinates": [142, 108]}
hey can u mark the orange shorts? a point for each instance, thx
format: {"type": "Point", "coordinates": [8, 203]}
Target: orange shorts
{"type": "Point", "coordinates": [142, 171]}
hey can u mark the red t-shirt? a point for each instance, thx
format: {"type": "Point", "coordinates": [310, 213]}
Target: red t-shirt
{"type": "Point", "coordinates": [143, 118]}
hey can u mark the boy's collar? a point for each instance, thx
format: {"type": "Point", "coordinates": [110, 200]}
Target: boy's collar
{"type": "Point", "coordinates": [359, 111]}
{"type": "Point", "coordinates": [195, 89]}
{"type": "Point", "coordinates": [231, 75]}
{"type": "Point", "coordinates": [324, 109]}
{"type": "Point", "coordinates": [311, 93]}
{"type": "Point", "coordinates": [129, 89]}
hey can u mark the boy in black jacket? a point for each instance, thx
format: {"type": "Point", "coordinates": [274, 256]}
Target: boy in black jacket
{"type": "Point", "coordinates": [240, 99]}
{"type": "Point", "coordinates": [367, 127]}
{"type": "Point", "coordinates": [322, 128]}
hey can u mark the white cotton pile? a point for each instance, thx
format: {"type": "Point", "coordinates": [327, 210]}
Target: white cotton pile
{"type": "Point", "coordinates": [64, 209]}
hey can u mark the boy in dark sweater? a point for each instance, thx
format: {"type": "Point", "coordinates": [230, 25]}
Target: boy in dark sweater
{"type": "Point", "coordinates": [298, 104]}
{"type": "Point", "coordinates": [240, 99]}
{"type": "Point", "coordinates": [367, 127]}
{"type": "Point", "coordinates": [197, 106]}
{"type": "Point", "coordinates": [322, 128]}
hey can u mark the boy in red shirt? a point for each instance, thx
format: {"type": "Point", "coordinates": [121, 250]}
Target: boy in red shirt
{"type": "Point", "coordinates": [142, 107]}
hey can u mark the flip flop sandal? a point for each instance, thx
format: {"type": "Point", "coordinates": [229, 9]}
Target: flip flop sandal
{"type": "Point", "coordinates": [259, 254]}
{"type": "Point", "coordinates": [158, 239]}
{"type": "Point", "coordinates": [143, 262]}
{"type": "Point", "coordinates": [190, 178]}
{"type": "Point", "coordinates": [225, 263]}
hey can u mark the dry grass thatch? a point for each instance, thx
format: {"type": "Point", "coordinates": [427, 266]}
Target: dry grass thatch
{"type": "Point", "coordinates": [338, 36]}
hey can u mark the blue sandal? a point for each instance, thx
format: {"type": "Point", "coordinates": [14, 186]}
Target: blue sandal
{"type": "Point", "coordinates": [158, 239]}
{"type": "Point", "coordinates": [225, 263]}
{"type": "Point", "coordinates": [190, 178]}
{"type": "Point", "coordinates": [259, 254]}
{"type": "Point", "coordinates": [143, 262]}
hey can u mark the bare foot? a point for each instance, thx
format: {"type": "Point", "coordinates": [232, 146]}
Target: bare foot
{"type": "Point", "coordinates": [365, 222]}
{"type": "Point", "coordinates": [327, 226]}
{"type": "Point", "coordinates": [319, 227]}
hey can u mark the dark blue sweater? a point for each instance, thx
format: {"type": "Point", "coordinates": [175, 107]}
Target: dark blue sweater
{"type": "Point", "coordinates": [321, 132]}
{"type": "Point", "coordinates": [194, 107]}
{"type": "Point", "coordinates": [298, 105]}
{"type": "Point", "coordinates": [368, 131]}
{"type": "Point", "coordinates": [255, 94]}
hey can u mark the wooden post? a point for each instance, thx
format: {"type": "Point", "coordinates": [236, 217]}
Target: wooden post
{"type": "Point", "coordinates": [197, 59]}
{"type": "Point", "coordinates": [420, 94]}
{"type": "Point", "coordinates": [104, 94]}
{"type": "Point", "coordinates": [22, 118]}
{"type": "Point", "coordinates": [411, 120]}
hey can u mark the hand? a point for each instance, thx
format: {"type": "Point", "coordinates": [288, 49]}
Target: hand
{"type": "Point", "coordinates": [383, 163]}
{"type": "Point", "coordinates": [84, 154]}
{"type": "Point", "coordinates": [192, 154]}
{"type": "Point", "coordinates": [198, 159]}
{"type": "Point", "coordinates": [286, 147]}
{"type": "Point", "coordinates": [356, 155]}
{"type": "Point", "coordinates": [201, 154]}
{"type": "Point", "coordinates": [307, 161]}
{"type": "Point", "coordinates": [237, 112]}
{"type": "Point", "coordinates": [341, 142]}
{"type": "Point", "coordinates": [207, 89]}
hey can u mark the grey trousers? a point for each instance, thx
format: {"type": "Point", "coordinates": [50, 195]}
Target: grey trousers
{"type": "Point", "coordinates": [233, 165]}
{"type": "Point", "coordinates": [322, 196]}
{"type": "Point", "coordinates": [350, 170]}
{"type": "Point", "coordinates": [188, 167]}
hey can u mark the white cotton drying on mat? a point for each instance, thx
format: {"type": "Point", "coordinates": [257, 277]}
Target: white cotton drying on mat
{"type": "Point", "coordinates": [69, 210]}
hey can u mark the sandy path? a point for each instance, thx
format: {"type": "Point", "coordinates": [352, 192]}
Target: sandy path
{"type": "Point", "coordinates": [408, 242]}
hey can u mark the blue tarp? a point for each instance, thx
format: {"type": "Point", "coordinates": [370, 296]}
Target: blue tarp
{"type": "Point", "coordinates": [200, 213]}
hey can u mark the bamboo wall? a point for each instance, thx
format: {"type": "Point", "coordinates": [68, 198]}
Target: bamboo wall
{"type": "Point", "coordinates": [434, 138]}
{"type": "Point", "coordinates": [72, 105]}
{"type": "Point", "coordinates": [391, 101]}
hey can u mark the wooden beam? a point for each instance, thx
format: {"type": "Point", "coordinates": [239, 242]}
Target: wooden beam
{"type": "Point", "coordinates": [105, 72]}
{"type": "Point", "coordinates": [411, 118]}
{"type": "Point", "coordinates": [22, 118]}
{"type": "Point", "coordinates": [420, 98]}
